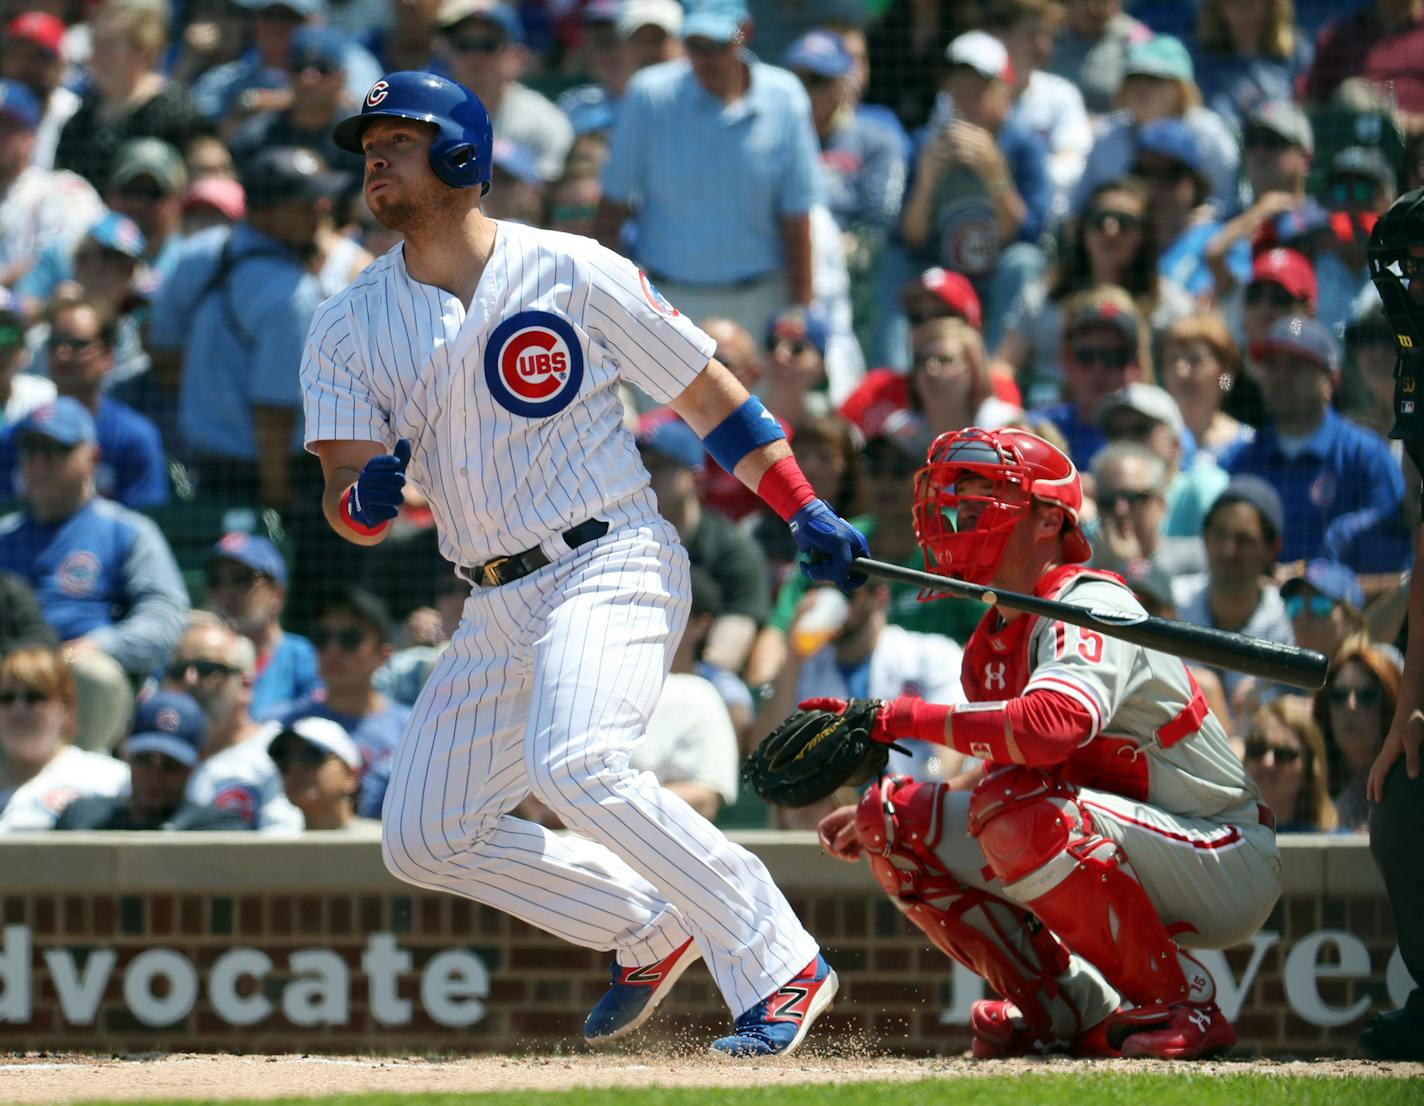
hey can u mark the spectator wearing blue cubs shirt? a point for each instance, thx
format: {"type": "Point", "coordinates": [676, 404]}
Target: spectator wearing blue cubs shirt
{"type": "Point", "coordinates": [131, 468]}
{"type": "Point", "coordinates": [245, 583]}
{"type": "Point", "coordinates": [1337, 480]}
{"type": "Point", "coordinates": [104, 576]}
{"type": "Point", "coordinates": [352, 640]}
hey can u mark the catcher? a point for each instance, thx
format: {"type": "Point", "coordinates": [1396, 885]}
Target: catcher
{"type": "Point", "coordinates": [1111, 826]}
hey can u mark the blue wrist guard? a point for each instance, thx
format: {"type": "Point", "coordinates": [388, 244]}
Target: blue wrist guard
{"type": "Point", "coordinates": [748, 427]}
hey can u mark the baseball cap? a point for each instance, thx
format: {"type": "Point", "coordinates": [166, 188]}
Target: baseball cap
{"type": "Point", "coordinates": [502, 16]}
{"type": "Point", "coordinates": [1171, 138]}
{"type": "Point", "coordinates": [636, 14]}
{"type": "Point", "coordinates": [1307, 337]}
{"type": "Point", "coordinates": [983, 53]}
{"type": "Point", "coordinates": [253, 551]}
{"type": "Point", "coordinates": [318, 45]}
{"type": "Point", "coordinates": [819, 52]}
{"type": "Point", "coordinates": [1365, 161]}
{"type": "Point", "coordinates": [62, 419]}
{"type": "Point", "coordinates": [1284, 119]}
{"type": "Point", "coordinates": [717, 20]}
{"type": "Point", "coordinates": [220, 192]}
{"type": "Point", "coordinates": [41, 28]}
{"type": "Point", "coordinates": [1146, 399]}
{"type": "Point", "coordinates": [1257, 493]}
{"type": "Point", "coordinates": [121, 234]}
{"type": "Point", "coordinates": [171, 723]}
{"type": "Point", "coordinates": [1161, 56]}
{"type": "Point", "coordinates": [328, 736]}
{"type": "Point", "coordinates": [667, 435]}
{"type": "Point", "coordinates": [1331, 579]}
{"type": "Point", "coordinates": [288, 173]}
{"type": "Point", "coordinates": [1093, 310]}
{"type": "Point", "coordinates": [798, 325]}
{"type": "Point", "coordinates": [955, 291]}
{"type": "Point", "coordinates": [18, 104]}
{"type": "Point", "coordinates": [517, 160]}
{"type": "Point", "coordinates": [1287, 268]}
{"type": "Point", "coordinates": [150, 157]}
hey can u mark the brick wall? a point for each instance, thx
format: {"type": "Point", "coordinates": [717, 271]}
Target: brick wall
{"type": "Point", "coordinates": [896, 990]}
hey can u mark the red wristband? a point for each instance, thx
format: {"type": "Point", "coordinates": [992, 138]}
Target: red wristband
{"type": "Point", "coordinates": [784, 488]}
{"type": "Point", "coordinates": [344, 510]}
{"type": "Point", "coordinates": [906, 716]}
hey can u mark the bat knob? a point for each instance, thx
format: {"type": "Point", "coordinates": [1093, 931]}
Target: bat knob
{"type": "Point", "coordinates": [990, 598]}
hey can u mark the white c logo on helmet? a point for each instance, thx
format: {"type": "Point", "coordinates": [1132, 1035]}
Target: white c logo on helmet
{"type": "Point", "coordinates": [379, 91]}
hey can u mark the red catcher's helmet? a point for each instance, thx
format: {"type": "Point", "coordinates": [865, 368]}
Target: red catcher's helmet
{"type": "Point", "coordinates": [1020, 466]}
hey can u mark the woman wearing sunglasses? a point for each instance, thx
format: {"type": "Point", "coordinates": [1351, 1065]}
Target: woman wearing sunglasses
{"type": "Point", "coordinates": [1354, 710]}
{"type": "Point", "coordinates": [41, 771]}
{"type": "Point", "coordinates": [1285, 755]}
{"type": "Point", "coordinates": [1111, 243]}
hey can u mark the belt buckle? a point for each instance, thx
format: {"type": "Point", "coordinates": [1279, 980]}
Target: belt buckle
{"type": "Point", "coordinates": [489, 571]}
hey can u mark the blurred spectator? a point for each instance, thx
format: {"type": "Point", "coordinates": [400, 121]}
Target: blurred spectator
{"type": "Point", "coordinates": [705, 610]}
{"type": "Point", "coordinates": [41, 772]}
{"type": "Point", "coordinates": [260, 79]}
{"type": "Point", "coordinates": [1382, 42]}
{"type": "Point", "coordinates": [165, 744]}
{"type": "Point", "coordinates": [483, 47]}
{"type": "Point", "coordinates": [1337, 481]}
{"type": "Point", "coordinates": [1354, 711]}
{"type": "Point", "coordinates": [862, 159]}
{"type": "Point", "coordinates": [939, 293]}
{"type": "Point", "coordinates": [571, 203]}
{"type": "Point", "coordinates": [80, 355]}
{"type": "Point", "coordinates": [1248, 54]}
{"type": "Point", "coordinates": [104, 575]}
{"type": "Point", "coordinates": [651, 31]}
{"type": "Point", "coordinates": [401, 678]}
{"type": "Point", "coordinates": [1367, 376]}
{"type": "Point", "coordinates": [948, 386]}
{"type": "Point", "coordinates": [610, 32]}
{"type": "Point", "coordinates": [1129, 481]}
{"type": "Point", "coordinates": [212, 202]}
{"type": "Point", "coordinates": [31, 54]}
{"type": "Point", "coordinates": [905, 53]}
{"type": "Point", "coordinates": [317, 61]}
{"type": "Point", "coordinates": [38, 207]}
{"type": "Point", "coordinates": [980, 193]}
{"type": "Point", "coordinates": [1147, 415]}
{"type": "Point", "coordinates": [215, 32]}
{"type": "Point", "coordinates": [1359, 189]}
{"type": "Point", "coordinates": [245, 583]}
{"type": "Point", "coordinates": [1199, 364]}
{"type": "Point", "coordinates": [1325, 605]}
{"type": "Point", "coordinates": [793, 381]}
{"type": "Point", "coordinates": [1113, 242]}
{"type": "Point", "coordinates": [147, 185]}
{"type": "Point", "coordinates": [1282, 284]}
{"type": "Point", "coordinates": [214, 664]}
{"type": "Point", "coordinates": [129, 97]}
{"type": "Point", "coordinates": [407, 40]}
{"type": "Point", "coordinates": [1158, 85]}
{"type": "Point", "coordinates": [20, 392]}
{"type": "Point", "coordinates": [1091, 49]}
{"type": "Point", "coordinates": [1242, 535]}
{"type": "Point", "coordinates": [22, 622]}
{"type": "Point", "coordinates": [321, 772]}
{"type": "Point", "coordinates": [1285, 756]}
{"type": "Point", "coordinates": [742, 252]}
{"type": "Point", "coordinates": [208, 156]}
{"type": "Point", "coordinates": [228, 328]}
{"type": "Point", "coordinates": [1045, 104]}
{"type": "Point", "coordinates": [352, 635]}
{"type": "Point", "coordinates": [516, 188]}
{"type": "Point", "coordinates": [1102, 348]}
{"type": "Point", "coordinates": [853, 652]}
{"type": "Point", "coordinates": [673, 455]}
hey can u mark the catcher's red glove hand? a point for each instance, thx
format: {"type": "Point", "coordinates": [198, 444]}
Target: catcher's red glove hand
{"type": "Point", "coordinates": [893, 718]}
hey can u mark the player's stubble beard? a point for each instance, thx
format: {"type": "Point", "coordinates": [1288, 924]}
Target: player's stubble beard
{"type": "Point", "coordinates": [418, 213]}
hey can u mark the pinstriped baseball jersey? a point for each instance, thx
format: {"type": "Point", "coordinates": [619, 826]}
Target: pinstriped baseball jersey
{"type": "Point", "coordinates": [512, 408]}
{"type": "Point", "coordinates": [1154, 739]}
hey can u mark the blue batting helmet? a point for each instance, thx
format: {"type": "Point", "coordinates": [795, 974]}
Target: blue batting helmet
{"type": "Point", "coordinates": [461, 152]}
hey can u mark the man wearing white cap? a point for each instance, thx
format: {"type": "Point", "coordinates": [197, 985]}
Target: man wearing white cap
{"type": "Point", "coordinates": [321, 771]}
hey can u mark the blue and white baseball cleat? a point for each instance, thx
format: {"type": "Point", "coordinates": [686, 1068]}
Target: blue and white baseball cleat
{"type": "Point", "coordinates": [634, 994]}
{"type": "Point", "coordinates": [779, 1023]}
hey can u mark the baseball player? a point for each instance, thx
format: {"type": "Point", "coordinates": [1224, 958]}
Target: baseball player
{"type": "Point", "coordinates": [1112, 823]}
{"type": "Point", "coordinates": [484, 358]}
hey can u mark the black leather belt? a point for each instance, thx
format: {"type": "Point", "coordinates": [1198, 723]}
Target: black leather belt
{"type": "Point", "coordinates": [505, 570]}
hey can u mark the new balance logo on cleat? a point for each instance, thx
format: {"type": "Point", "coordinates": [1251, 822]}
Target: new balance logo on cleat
{"type": "Point", "coordinates": [794, 1001]}
{"type": "Point", "coordinates": [779, 1023]}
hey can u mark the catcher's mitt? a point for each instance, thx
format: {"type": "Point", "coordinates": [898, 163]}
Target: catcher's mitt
{"type": "Point", "coordinates": [813, 752]}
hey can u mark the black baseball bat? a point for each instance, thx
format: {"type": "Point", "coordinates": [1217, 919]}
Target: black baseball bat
{"type": "Point", "coordinates": [1286, 664]}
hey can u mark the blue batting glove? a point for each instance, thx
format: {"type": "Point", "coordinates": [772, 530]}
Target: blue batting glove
{"type": "Point", "coordinates": [830, 544]}
{"type": "Point", "coordinates": [376, 497]}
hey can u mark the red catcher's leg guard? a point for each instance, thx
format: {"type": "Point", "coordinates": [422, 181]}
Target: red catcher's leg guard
{"type": "Point", "coordinates": [900, 825]}
{"type": "Point", "coordinates": [1041, 844]}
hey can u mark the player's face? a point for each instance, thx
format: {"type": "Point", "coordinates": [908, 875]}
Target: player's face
{"type": "Point", "coordinates": [401, 188]}
{"type": "Point", "coordinates": [974, 493]}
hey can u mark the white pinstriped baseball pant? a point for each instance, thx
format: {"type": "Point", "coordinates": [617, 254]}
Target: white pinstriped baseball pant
{"type": "Point", "coordinates": [547, 687]}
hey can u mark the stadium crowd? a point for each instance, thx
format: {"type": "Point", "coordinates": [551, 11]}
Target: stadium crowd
{"type": "Point", "coordinates": [1139, 233]}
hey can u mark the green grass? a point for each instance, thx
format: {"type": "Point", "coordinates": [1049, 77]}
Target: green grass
{"type": "Point", "coordinates": [1105, 1089]}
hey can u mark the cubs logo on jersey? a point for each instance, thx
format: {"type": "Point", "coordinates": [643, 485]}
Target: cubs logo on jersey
{"type": "Point", "coordinates": [534, 364]}
{"type": "Point", "coordinates": [657, 299]}
{"type": "Point", "coordinates": [78, 573]}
